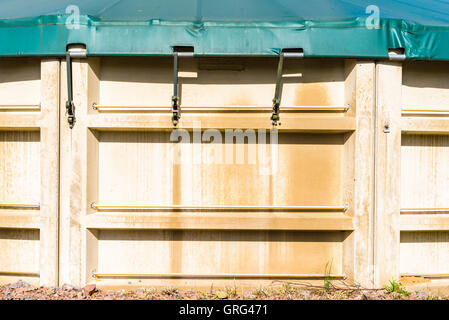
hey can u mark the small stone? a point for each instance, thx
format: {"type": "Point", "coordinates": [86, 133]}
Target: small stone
{"type": "Point", "coordinates": [366, 296]}
{"type": "Point", "coordinates": [249, 295]}
{"type": "Point", "coordinates": [89, 289]}
{"type": "Point", "coordinates": [19, 284]}
{"type": "Point", "coordinates": [140, 293]}
{"type": "Point", "coordinates": [68, 287]}
{"type": "Point", "coordinates": [358, 296]}
{"type": "Point", "coordinates": [418, 295]}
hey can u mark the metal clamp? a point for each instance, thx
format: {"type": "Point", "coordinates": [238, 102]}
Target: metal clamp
{"type": "Point", "coordinates": [70, 105]}
{"type": "Point", "coordinates": [277, 94]}
{"type": "Point", "coordinates": [396, 54]}
{"type": "Point", "coordinates": [175, 100]}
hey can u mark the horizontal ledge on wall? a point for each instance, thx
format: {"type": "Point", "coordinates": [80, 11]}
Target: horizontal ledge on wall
{"type": "Point", "coordinates": [20, 107]}
{"type": "Point", "coordinates": [292, 122]}
{"type": "Point", "coordinates": [426, 111]}
{"type": "Point", "coordinates": [19, 206]}
{"type": "Point", "coordinates": [19, 219]}
{"type": "Point", "coordinates": [222, 276]}
{"type": "Point", "coordinates": [425, 125]}
{"type": "Point", "coordinates": [29, 121]}
{"type": "Point", "coordinates": [423, 210]}
{"type": "Point", "coordinates": [222, 108]}
{"type": "Point", "coordinates": [219, 220]}
{"type": "Point", "coordinates": [101, 207]}
{"type": "Point", "coordinates": [424, 222]}
{"type": "Point", "coordinates": [434, 276]}
{"type": "Point", "coordinates": [19, 274]}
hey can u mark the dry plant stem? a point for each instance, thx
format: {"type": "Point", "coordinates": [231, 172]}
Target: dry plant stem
{"type": "Point", "coordinates": [333, 287]}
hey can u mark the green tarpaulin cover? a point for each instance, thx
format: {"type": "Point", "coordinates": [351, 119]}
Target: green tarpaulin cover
{"type": "Point", "coordinates": [322, 28]}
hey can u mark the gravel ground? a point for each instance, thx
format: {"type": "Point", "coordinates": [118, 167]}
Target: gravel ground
{"type": "Point", "coordinates": [24, 291]}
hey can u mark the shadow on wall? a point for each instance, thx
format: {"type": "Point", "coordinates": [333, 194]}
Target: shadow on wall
{"type": "Point", "coordinates": [19, 69]}
{"type": "Point", "coordinates": [164, 137]}
{"type": "Point", "coordinates": [422, 74]}
{"type": "Point", "coordinates": [315, 79]}
{"type": "Point", "coordinates": [224, 235]}
{"type": "Point", "coordinates": [220, 70]}
{"type": "Point", "coordinates": [425, 140]}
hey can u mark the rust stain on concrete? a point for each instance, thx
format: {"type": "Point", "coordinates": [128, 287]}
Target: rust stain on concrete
{"type": "Point", "coordinates": [241, 100]}
{"type": "Point", "coordinates": [311, 95]}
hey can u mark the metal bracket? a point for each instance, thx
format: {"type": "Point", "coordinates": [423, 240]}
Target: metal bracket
{"type": "Point", "coordinates": [277, 93]}
{"type": "Point", "coordinates": [70, 105]}
{"type": "Point", "coordinates": [175, 100]}
{"type": "Point", "coordinates": [397, 54]}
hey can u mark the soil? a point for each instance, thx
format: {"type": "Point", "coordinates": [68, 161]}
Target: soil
{"type": "Point", "coordinates": [286, 291]}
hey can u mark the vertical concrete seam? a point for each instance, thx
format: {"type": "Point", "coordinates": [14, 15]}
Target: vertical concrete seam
{"type": "Point", "coordinates": [58, 277]}
{"type": "Point", "coordinates": [374, 210]}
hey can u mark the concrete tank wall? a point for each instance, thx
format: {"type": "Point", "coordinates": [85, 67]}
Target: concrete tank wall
{"type": "Point", "coordinates": [116, 202]}
{"type": "Point", "coordinates": [29, 170]}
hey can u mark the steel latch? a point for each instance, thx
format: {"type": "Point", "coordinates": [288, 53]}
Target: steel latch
{"type": "Point", "coordinates": [286, 53]}
{"type": "Point", "coordinates": [175, 100]}
{"type": "Point", "coordinates": [70, 105]}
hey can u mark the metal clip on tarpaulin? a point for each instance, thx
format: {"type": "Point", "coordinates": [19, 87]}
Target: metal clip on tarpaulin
{"type": "Point", "coordinates": [176, 107]}
{"type": "Point", "coordinates": [70, 106]}
{"type": "Point", "coordinates": [397, 54]}
{"type": "Point", "coordinates": [297, 53]}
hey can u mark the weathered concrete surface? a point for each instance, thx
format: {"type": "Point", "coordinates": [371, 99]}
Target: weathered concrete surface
{"type": "Point", "coordinates": [373, 157]}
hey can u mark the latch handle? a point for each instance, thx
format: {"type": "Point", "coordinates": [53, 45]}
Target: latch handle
{"type": "Point", "coordinates": [175, 100]}
{"type": "Point", "coordinates": [277, 92]}
{"type": "Point", "coordinates": [70, 105]}
{"type": "Point", "coordinates": [286, 53]}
